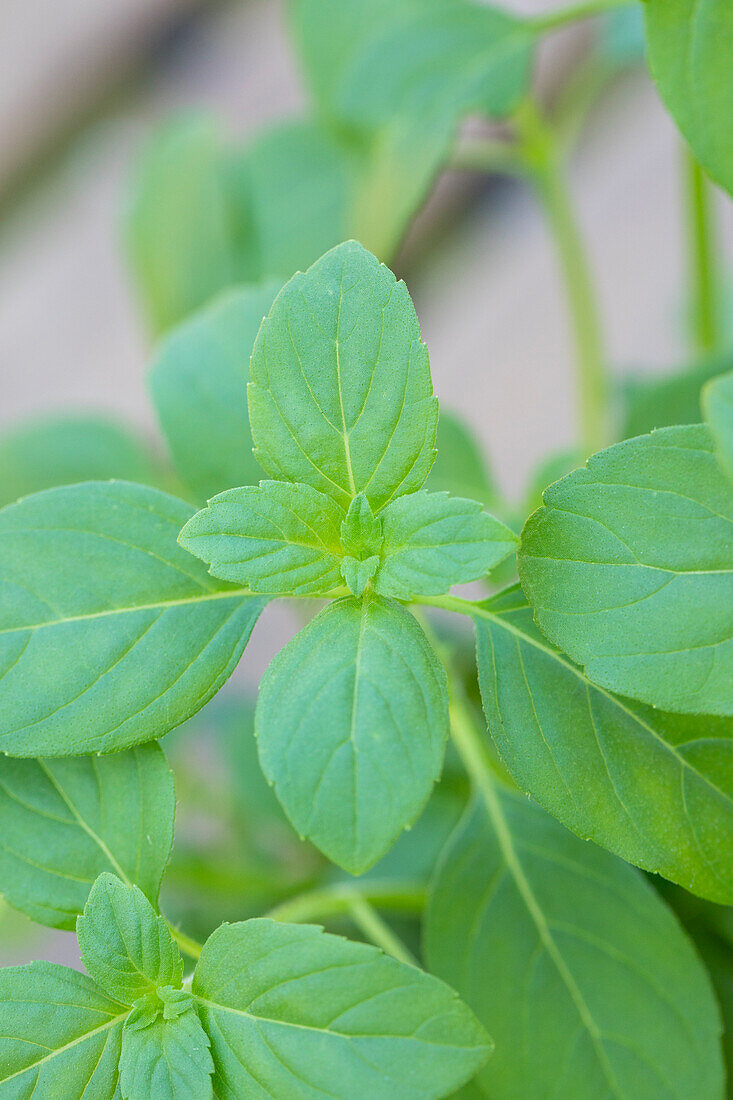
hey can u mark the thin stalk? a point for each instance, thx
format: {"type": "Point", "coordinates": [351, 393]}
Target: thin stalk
{"type": "Point", "coordinates": [374, 928]}
{"type": "Point", "coordinates": [704, 274]}
{"type": "Point", "coordinates": [544, 159]}
{"type": "Point", "coordinates": [187, 944]}
{"type": "Point", "coordinates": [585, 10]}
{"type": "Point", "coordinates": [337, 900]}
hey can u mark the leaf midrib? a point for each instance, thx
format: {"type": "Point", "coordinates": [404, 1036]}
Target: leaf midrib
{"type": "Point", "coordinates": [67, 1046]}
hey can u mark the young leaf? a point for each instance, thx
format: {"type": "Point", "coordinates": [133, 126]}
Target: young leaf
{"type": "Point", "coordinates": [180, 226]}
{"type": "Point", "coordinates": [573, 963]}
{"type": "Point", "coordinates": [59, 1034]}
{"type": "Point", "coordinates": [165, 1050]}
{"type": "Point", "coordinates": [433, 541]}
{"type": "Point", "coordinates": [341, 396]}
{"type": "Point", "coordinates": [460, 468]}
{"type": "Point", "coordinates": [198, 385]}
{"type": "Point", "coordinates": [655, 788]}
{"type": "Point", "coordinates": [689, 49]}
{"type": "Point", "coordinates": [61, 451]}
{"type": "Point", "coordinates": [358, 573]}
{"type": "Point", "coordinates": [125, 946]}
{"type": "Point", "coordinates": [351, 722]}
{"type": "Point", "coordinates": [293, 1012]}
{"type": "Point", "coordinates": [629, 568]}
{"type": "Point", "coordinates": [361, 530]}
{"type": "Point", "coordinates": [718, 406]}
{"type": "Point", "coordinates": [651, 401]}
{"type": "Point", "coordinates": [110, 633]}
{"type": "Point", "coordinates": [273, 537]}
{"type": "Point", "coordinates": [63, 822]}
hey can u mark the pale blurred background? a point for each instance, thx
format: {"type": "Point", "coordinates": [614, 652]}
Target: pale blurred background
{"type": "Point", "coordinates": [83, 84]}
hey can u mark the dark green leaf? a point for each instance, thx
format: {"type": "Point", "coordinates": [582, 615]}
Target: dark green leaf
{"type": "Point", "coordinates": [341, 396]}
{"type": "Point", "coordinates": [110, 633]}
{"type": "Point", "coordinates": [198, 384]}
{"type": "Point", "coordinates": [572, 962]}
{"type": "Point", "coordinates": [655, 788]}
{"type": "Point", "coordinates": [433, 541]}
{"type": "Point", "coordinates": [351, 722]}
{"type": "Point", "coordinates": [63, 822]}
{"type": "Point", "coordinates": [165, 1050]}
{"type": "Point", "coordinates": [689, 50]}
{"type": "Point", "coordinates": [273, 537]}
{"type": "Point", "coordinates": [629, 568]}
{"type": "Point", "coordinates": [61, 451]}
{"type": "Point", "coordinates": [294, 1013]}
{"type": "Point", "coordinates": [59, 1035]}
{"type": "Point", "coordinates": [125, 946]}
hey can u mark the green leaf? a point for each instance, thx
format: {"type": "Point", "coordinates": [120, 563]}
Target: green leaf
{"type": "Point", "coordinates": [460, 467]}
{"type": "Point", "coordinates": [341, 396]}
{"type": "Point", "coordinates": [654, 401]}
{"type": "Point", "coordinates": [358, 574]}
{"type": "Point", "coordinates": [433, 541]}
{"type": "Point", "coordinates": [689, 51]}
{"type": "Point", "coordinates": [655, 788]}
{"type": "Point", "coordinates": [444, 58]}
{"type": "Point", "coordinates": [718, 404]}
{"type": "Point", "coordinates": [180, 222]}
{"type": "Point", "coordinates": [198, 385]}
{"type": "Point", "coordinates": [63, 822]}
{"type": "Point", "coordinates": [572, 962]}
{"type": "Point", "coordinates": [165, 1050]}
{"type": "Point", "coordinates": [629, 568]}
{"type": "Point", "coordinates": [59, 1034]}
{"type": "Point", "coordinates": [351, 722]}
{"type": "Point", "coordinates": [125, 945]}
{"type": "Point", "coordinates": [110, 633]}
{"type": "Point", "coordinates": [63, 450]}
{"type": "Point", "coordinates": [274, 537]}
{"type": "Point", "coordinates": [295, 1013]}
{"type": "Point", "coordinates": [361, 530]}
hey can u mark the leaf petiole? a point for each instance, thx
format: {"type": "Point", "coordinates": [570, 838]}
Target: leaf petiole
{"type": "Point", "coordinates": [187, 944]}
{"type": "Point", "coordinates": [553, 20]}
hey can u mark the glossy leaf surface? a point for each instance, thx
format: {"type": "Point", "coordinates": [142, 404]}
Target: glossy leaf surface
{"type": "Point", "coordinates": [655, 788]}
{"type": "Point", "coordinates": [110, 633]}
{"type": "Point", "coordinates": [294, 1013]}
{"type": "Point", "coordinates": [629, 568]}
{"type": "Point", "coordinates": [65, 821]}
{"type": "Point", "coordinates": [351, 722]}
{"type": "Point", "coordinates": [570, 959]}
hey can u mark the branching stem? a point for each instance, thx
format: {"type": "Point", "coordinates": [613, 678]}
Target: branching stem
{"type": "Point", "coordinates": [187, 944]}
{"type": "Point", "coordinates": [704, 275]}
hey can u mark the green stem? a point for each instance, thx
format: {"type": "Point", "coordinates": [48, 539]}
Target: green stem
{"type": "Point", "coordinates": [370, 924]}
{"type": "Point", "coordinates": [542, 154]}
{"type": "Point", "coordinates": [187, 944]}
{"type": "Point", "coordinates": [703, 267]}
{"type": "Point", "coordinates": [337, 900]}
{"type": "Point", "coordinates": [571, 14]}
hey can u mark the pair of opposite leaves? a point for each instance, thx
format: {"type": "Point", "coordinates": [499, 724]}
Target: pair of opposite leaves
{"type": "Point", "coordinates": [276, 1009]}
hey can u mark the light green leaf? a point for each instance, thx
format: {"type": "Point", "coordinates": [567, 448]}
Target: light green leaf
{"type": "Point", "coordinates": [179, 229]}
{"type": "Point", "coordinates": [718, 404]}
{"type": "Point", "coordinates": [629, 568]}
{"type": "Point", "coordinates": [433, 541]}
{"type": "Point", "coordinates": [651, 401]}
{"type": "Point", "coordinates": [351, 721]}
{"type": "Point", "coordinates": [165, 1050]}
{"type": "Point", "coordinates": [125, 945]}
{"type": "Point", "coordinates": [689, 44]}
{"type": "Point", "coordinates": [341, 396]}
{"type": "Point", "coordinates": [59, 1035]}
{"type": "Point", "coordinates": [110, 633]}
{"type": "Point", "coordinates": [63, 822]}
{"type": "Point", "coordinates": [443, 58]}
{"type": "Point", "coordinates": [198, 385]}
{"type": "Point", "coordinates": [273, 537]}
{"type": "Point", "coordinates": [361, 530]}
{"type": "Point", "coordinates": [655, 788]}
{"type": "Point", "coordinates": [357, 574]}
{"type": "Point", "coordinates": [572, 962]}
{"type": "Point", "coordinates": [294, 1013]}
{"type": "Point", "coordinates": [460, 468]}
{"type": "Point", "coordinates": [63, 450]}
